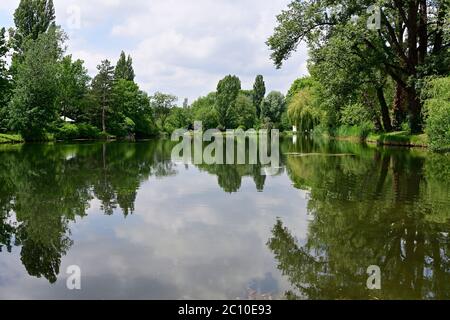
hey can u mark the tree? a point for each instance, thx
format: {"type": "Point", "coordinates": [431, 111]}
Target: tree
{"type": "Point", "coordinates": [33, 105]}
{"type": "Point", "coordinates": [420, 22]}
{"type": "Point", "coordinates": [259, 91]}
{"type": "Point", "coordinates": [31, 18]}
{"type": "Point", "coordinates": [273, 107]}
{"type": "Point", "coordinates": [102, 85]}
{"type": "Point", "coordinates": [73, 86]}
{"type": "Point", "coordinates": [227, 92]}
{"type": "Point", "coordinates": [5, 84]}
{"type": "Point", "coordinates": [130, 110]}
{"type": "Point", "coordinates": [203, 109]}
{"type": "Point", "coordinates": [124, 68]}
{"type": "Point", "coordinates": [162, 104]}
{"type": "Point", "coordinates": [246, 112]}
{"type": "Point", "coordinates": [303, 110]}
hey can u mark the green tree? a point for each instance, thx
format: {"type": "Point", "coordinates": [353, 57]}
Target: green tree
{"type": "Point", "coordinates": [102, 86]}
{"type": "Point", "coordinates": [203, 109]}
{"type": "Point", "coordinates": [162, 105]}
{"type": "Point", "coordinates": [227, 92]}
{"type": "Point", "coordinates": [130, 110]}
{"type": "Point", "coordinates": [424, 52]}
{"type": "Point", "coordinates": [124, 68]}
{"type": "Point", "coordinates": [273, 107]}
{"type": "Point", "coordinates": [5, 84]}
{"type": "Point", "coordinates": [33, 105]}
{"type": "Point", "coordinates": [303, 110]}
{"type": "Point", "coordinates": [437, 113]}
{"type": "Point", "coordinates": [31, 18]}
{"type": "Point", "coordinates": [246, 112]}
{"type": "Point", "coordinates": [73, 87]}
{"type": "Point", "coordinates": [259, 91]}
{"type": "Point", "coordinates": [179, 118]}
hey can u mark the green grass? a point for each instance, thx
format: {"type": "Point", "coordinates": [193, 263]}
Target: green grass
{"type": "Point", "coordinates": [10, 138]}
{"type": "Point", "coordinates": [399, 138]}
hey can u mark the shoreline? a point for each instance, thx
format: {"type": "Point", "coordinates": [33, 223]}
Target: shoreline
{"type": "Point", "coordinates": [393, 139]}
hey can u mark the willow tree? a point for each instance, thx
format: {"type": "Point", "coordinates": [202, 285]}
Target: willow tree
{"type": "Point", "coordinates": [408, 37]}
{"type": "Point", "coordinates": [303, 111]}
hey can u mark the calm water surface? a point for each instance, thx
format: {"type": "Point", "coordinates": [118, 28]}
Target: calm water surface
{"type": "Point", "coordinates": [142, 226]}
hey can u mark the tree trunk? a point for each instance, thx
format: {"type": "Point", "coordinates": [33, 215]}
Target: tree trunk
{"type": "Point", "coordinates": [104, 114]}
{"type": "Point", "coordinates": [384, 110]}
{"type": "Point", "coordinates": [415, 110]}
{"type": "Point", "coordinates": [399, 107]}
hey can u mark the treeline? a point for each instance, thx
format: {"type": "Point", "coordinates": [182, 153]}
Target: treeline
{"type": "Point", "coordinates": [231, 107]}
{"type": "Point", "coordinates": [365, 78]}
{"type": "Point", "coordinates": [46, 93]}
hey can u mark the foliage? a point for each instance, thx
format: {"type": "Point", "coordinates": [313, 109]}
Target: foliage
{"type": "Point", "coordinates": [348, 50]}
{"type": "Point", "coordinates": [33, 105]}
{"type": "Point", "coordinates": [273, 107]}
{"type": "Point", "coordinates": [259, 92]}
{"type": "Point", "coordinates": [102, 87]}
{"type": "Point", "coordinates": [361, 131]}
{"type": "Point", "coordinates": [73, 80]}
{"type": "Point", "coordinates": [437, 113]}
{"type": "Point", "coordinates": [303, 109]}
{"type": "Point", "coordinates": [124, 68]}
{"type": "Point", "coordinates": [179, 118]}
{"type": "Point", "coordinates": [355, 115]}
{"type": "Point", "coordinates": [162, 105]}
{"type": "Point", "coordinates": [227, 92]}
{"type": "Point", "coordinates": [5, 86]}
{"type": "Point", "coordinates": [203, 109]}
{"type": "Point", "coordinates": [246, 112]}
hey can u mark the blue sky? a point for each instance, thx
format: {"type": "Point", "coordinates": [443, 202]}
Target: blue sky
{"type": "Point", "coordinates": [183, 47]}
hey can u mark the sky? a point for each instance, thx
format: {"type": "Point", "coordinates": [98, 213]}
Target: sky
{"type": "Point", "coordinates": [182, 47]}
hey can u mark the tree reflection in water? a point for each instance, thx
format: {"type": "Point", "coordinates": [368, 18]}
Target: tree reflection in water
{"type": "Point", "coordinates": [389, 208]}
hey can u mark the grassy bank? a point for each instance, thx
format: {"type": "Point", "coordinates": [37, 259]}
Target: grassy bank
{"type": "Point", "coordinates": [10, 138]}
{"type": "Point", "coordinates": [398, 138]}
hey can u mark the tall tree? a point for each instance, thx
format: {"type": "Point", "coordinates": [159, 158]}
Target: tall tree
{"type": "Point", "coordinates": [227, 92]}
{"type": "Point", "coordinates": [420, 22]}
{"type": "Point", "coordinates": [259, 91]}
{"type": "Point", "coordinates": [31, 18]}
{"type": "Point", "coordinates": [4, 81]}
{"type": "Point", "coordinates": [33, 105]}
{"type": "Point", "coordinates": [124, 68]}
{"type": "Point", "coordinates": [102, 85]}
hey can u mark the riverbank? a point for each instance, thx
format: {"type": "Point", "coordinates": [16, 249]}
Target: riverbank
{"type": "Point", "coordinates": [398, 138]}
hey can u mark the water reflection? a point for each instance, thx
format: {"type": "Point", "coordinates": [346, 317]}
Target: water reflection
{"type": "Point", "coordinates": [184, 231]}
{"type": "Point", "coordinates": [382, 207]}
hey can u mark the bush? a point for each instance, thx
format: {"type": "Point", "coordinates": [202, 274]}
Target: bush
{"type": "Point", "coordinates": [437, 113]}
{"type": "Point", "coordinates": [361, 132]}
{"type": "Point", "coordinates": [69, 131]}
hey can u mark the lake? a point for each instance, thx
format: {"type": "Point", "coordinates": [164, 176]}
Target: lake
{"type": "Point", "coordinates": [142, 226]}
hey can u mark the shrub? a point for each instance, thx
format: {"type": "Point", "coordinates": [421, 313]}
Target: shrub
{"type": "Point", "coordinates": [437, 113]}
{"type": "Point", "coordinates": [361, 131]}
{"type": "Point", "coordinates": [69, 131]}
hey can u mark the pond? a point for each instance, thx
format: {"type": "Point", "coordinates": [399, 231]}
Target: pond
{"type": "Point", "coordinates": [140, 225]}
